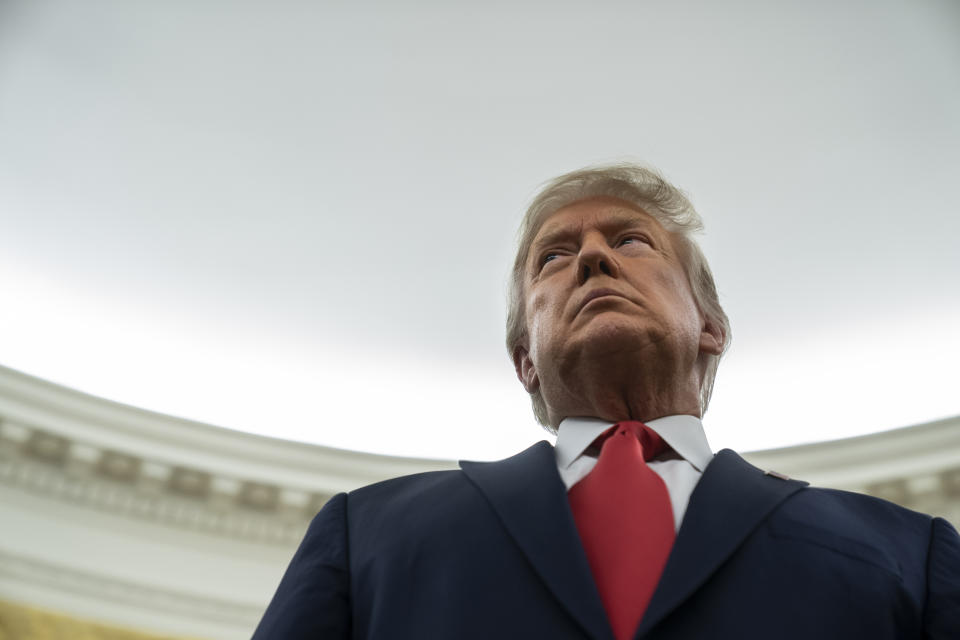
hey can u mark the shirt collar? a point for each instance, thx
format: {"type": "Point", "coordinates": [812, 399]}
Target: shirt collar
{"type": "Point", "coordinates": [684, 434]}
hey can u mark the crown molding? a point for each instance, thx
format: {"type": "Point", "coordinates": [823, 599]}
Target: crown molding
{"type": "Point", "coordinates": [165, 489]}
{"type": "Point", "coordinates": [68, 445]}
{"type": "Point", "coordinates": [106, 425]}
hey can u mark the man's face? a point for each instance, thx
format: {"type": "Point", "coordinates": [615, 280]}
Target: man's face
{"type": "Point", "coordinates": [605, 291]}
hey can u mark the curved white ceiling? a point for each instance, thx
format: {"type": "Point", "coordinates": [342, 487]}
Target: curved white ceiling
{"type": "Point", "coordinates": [297, 218]}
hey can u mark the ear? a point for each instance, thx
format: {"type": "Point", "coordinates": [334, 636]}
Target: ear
{"type": "Point", "coordinates": [526, 372]}
{"type": "Point", "coordinates": [712, 339]}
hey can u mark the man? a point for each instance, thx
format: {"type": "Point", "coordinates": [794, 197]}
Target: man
{"type": "Point", "coordinates": [631, 527]}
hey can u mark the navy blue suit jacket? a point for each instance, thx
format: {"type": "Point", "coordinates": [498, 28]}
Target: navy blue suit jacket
{"type": "Point", "coordinates": [491, 551]}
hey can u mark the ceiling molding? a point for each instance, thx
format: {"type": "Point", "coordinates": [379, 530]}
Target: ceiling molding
{"type": "Point", "coordinates": [239, 503]}
{"type": "Point", "coordinates": [72, 446]}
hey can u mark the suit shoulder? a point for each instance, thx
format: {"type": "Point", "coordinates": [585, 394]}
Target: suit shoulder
{"type": "Point", "coordinates": [408, 486]}
{"type": "Point", "coordinates": [452, 484]}
{"type": "Point", "coordinates": [431, 490]}
{"type": "Point", "coordinates": [861, 506]}
{"type": "Point", "coordinates": [851, 516]}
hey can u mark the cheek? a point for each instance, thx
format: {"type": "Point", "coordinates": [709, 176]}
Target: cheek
{"type": "Point", "coordinates": [537, 305]}
{"type": "Point", "coordinates": [541, 322]}
{"type": "Point", "coordinates": [686, 306]}
{"type": "Point", "coordinates": [677, 299]}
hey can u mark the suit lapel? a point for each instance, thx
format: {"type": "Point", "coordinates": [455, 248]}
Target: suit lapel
{"type": "Point", "coordinates": [527, 494]}
{"type": "Point", "coordinates": [728, 503]}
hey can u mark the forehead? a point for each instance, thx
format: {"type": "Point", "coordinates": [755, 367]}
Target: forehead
{"type": "Point", "coordinates": [605, 214]}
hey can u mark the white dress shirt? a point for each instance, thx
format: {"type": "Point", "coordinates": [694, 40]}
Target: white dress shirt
{"type": "Point", "coordinates": [680, 468]}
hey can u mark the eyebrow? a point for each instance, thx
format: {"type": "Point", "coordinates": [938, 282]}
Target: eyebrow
{"type": "Point", "coordinates": [616, 223]}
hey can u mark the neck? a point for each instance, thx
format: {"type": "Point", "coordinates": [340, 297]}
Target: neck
{"type": "Point", "coordinates": [634, 397]}
{"type": "Point", "coordinates": [617, 405]}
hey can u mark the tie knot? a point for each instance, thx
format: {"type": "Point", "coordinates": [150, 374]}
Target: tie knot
{"type": "Point", "coordinates": [651, 443]}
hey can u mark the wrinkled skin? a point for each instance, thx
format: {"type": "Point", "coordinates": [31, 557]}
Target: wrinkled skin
{"type": "Point", "coordinates": [612, 329]}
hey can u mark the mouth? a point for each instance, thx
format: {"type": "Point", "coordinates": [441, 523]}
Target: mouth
{"type": "Point", "coordinates": [597, 294]}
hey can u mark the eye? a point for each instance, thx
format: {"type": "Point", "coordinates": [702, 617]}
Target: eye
{"type": "Point", "coordinates": [548, 257]}
{"type": "Point", "coordinates": [633, 239]}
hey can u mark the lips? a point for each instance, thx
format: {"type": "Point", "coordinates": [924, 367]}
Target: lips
{"type": "Point", "coordinates": [598, 293]}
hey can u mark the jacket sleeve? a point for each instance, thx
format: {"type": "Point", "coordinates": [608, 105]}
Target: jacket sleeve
{"type": "Point", "coordinates": [313, 599]}
{"type": "Point", "coordinates": [942, 612]}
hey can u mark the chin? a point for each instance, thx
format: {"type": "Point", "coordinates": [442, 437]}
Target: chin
{"type": "Point", "coordinates": [616, 334]}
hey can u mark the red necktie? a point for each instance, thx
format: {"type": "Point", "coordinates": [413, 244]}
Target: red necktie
{"type": "Point", "coordinates": [623, 514]}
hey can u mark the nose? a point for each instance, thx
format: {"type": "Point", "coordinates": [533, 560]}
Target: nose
{"type": "Point", "coordinates": [596, 257]}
